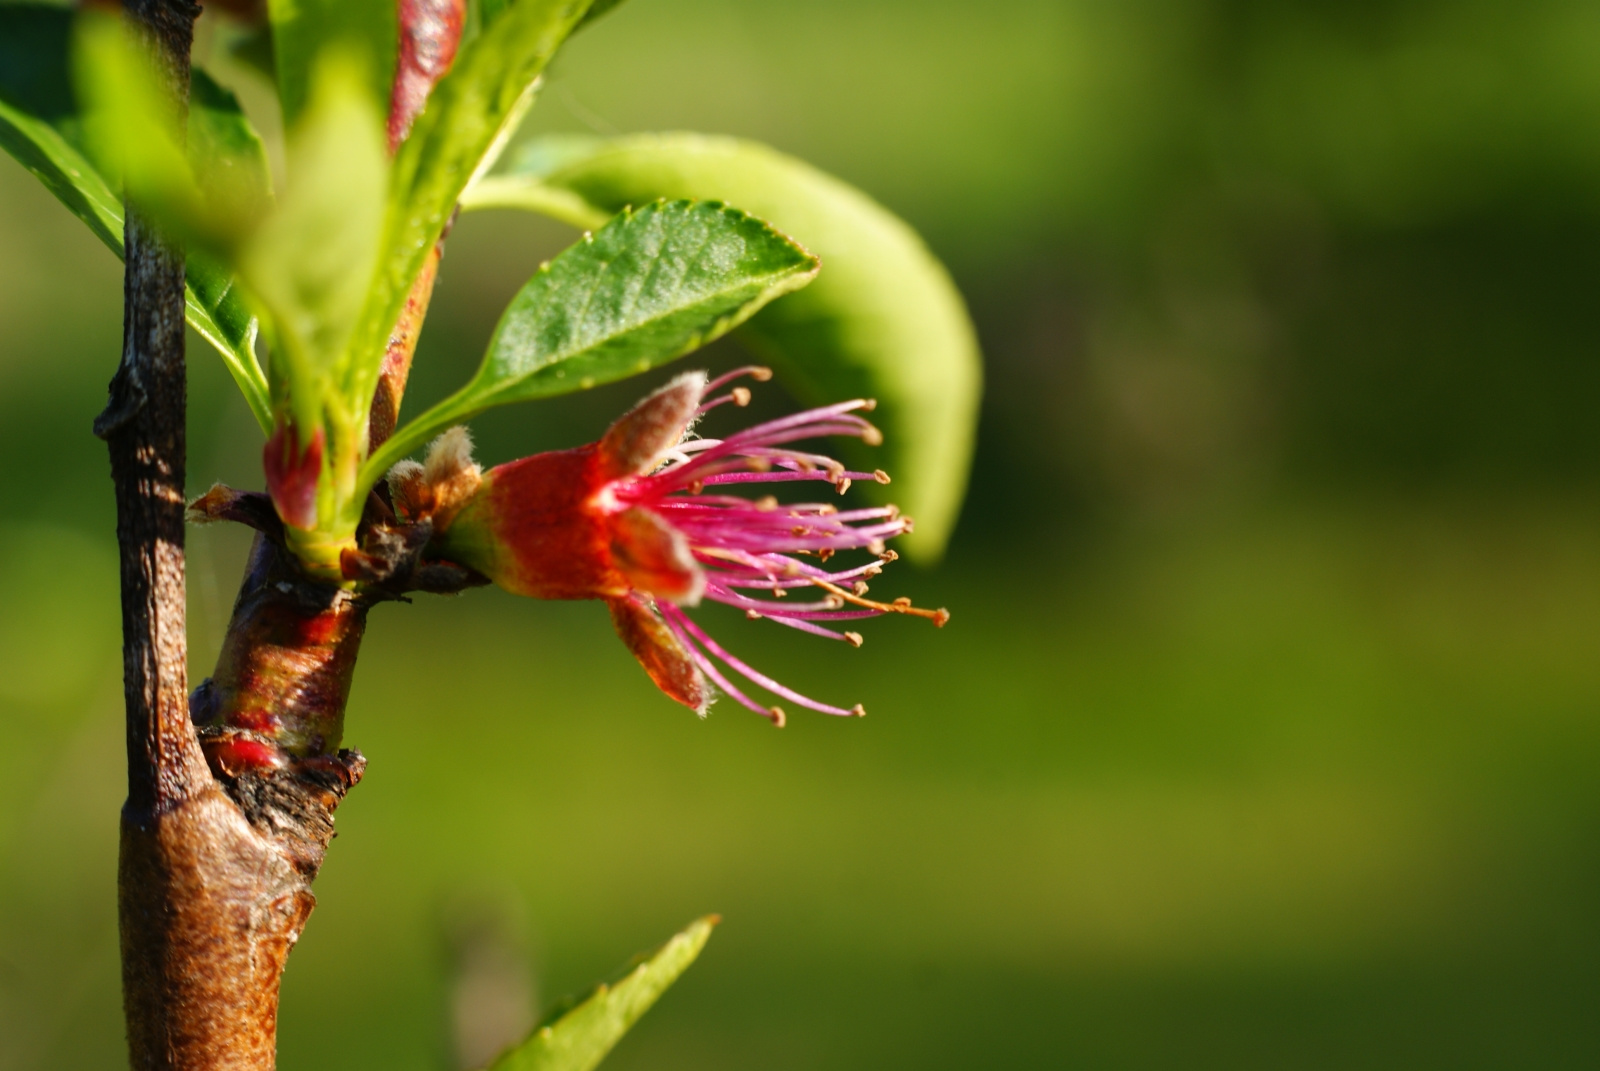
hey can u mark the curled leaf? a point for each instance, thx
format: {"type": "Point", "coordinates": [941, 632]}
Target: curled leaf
{"type": "Point", "coordinates": [882, 320]}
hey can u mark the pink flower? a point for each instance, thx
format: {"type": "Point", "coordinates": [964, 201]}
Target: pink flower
{"type": "Point", "coordinates": [644, 520]}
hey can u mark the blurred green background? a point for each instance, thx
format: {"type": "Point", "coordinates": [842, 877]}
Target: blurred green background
{"type": "Point", "coordinates": [1266, 730]}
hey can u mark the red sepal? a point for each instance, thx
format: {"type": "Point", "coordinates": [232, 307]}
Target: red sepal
{"type": "Point", "coordinates": [640, 438]}
{"type": "Point", "coordinates": [660, 653]}
{"type": "Point", "coordinates": [655, 557]}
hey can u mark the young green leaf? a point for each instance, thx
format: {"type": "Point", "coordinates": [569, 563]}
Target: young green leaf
{"type": "Point", "coordinates": [470, 114]}
{"type": "Point", "coordinates": [303, 30]}
{"type": "Point", "coordinates": [219, 313]}
{"type": "Point", "coordinates": [650, 286]}
{"type": "Point", "coordinates": [883, 320]}
{"type": "Point", "coordinates": [40, 125]}
{"type": "Point", "coordinates": [579, 1038]}
{"type": "Point", "coordinates": [310, 263]}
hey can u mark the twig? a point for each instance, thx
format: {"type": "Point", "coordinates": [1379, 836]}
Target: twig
{"type": "Point", "coordinates": [208, 908]}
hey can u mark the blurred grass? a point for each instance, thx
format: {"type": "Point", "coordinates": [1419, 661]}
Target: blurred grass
{"type": "Point", "coordinates": [1264, 733]}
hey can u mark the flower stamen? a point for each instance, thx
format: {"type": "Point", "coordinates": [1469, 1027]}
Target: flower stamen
{"type": "Point", "coordinates": [901, 605]}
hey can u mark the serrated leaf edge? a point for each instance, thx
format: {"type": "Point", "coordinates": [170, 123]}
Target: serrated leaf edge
{"type": "Point", "coordinates": [451, 410]}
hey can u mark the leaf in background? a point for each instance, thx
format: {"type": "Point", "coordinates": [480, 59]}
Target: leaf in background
{"type": "Point", "coordinates": [130, 131]}
{"type": "Point", "coordinates": [40, 123]}
{"type": "Point", "coordinates": [650, 286]}
{"type": "Point", "coordinates": [311, 261]}
{"type": "Point", "coordinates": [219, 314]}
{"type": "Point", "coordinates": [470, 113]}
{"type": "Point", "coordinates": [230, 163]}
{"type": "Point", "coordinates": [41, 126]}
{"type": "Point", "coordinates": [883, 320]}
{"type": "Point", "coordinates": [577, 1040]}
{"type": "Point", "coordinates": [252, 47]}
{"type": "Point", "coordinates": [480, 13]}
{"type": "Point", "coordinates": [596, 9]}
{"type": "Point", "coordinates": [302, 30]}
{"type": "Point", "coordinates": [228, 157]}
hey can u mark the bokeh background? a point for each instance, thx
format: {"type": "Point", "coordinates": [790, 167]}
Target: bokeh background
{"type": "Point", "coordinates": [1266, 731]}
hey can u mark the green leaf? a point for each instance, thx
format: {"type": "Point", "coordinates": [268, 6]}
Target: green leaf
{"type": "Point", "coordinates": [577, 1040]}
{"type": "Point", "coordinates": [311, 261]}
{"type": "Point", "coordinates": [252, 47]}
{"type": "Point", "coordinates": [130, 129]}
{"type": "Point", "coordinates": [470, 114]}
{"type": "Point", "coordinates": [883, 320]}
{"type": "Point", "coordinates": [650, 286]}
{"type": "Point", "coordinates": [481, 13]}
{"type": "Point", "coordinates": [302, 30]}
{"type": "Point", "coordinates": [230, 163]}
{"type": "Point", "coordinates": [596, 9]}
{"type": "Point", "coordinates": [226, 153]}
{"type": "Point", "coordinates": [41, 125]}
{"type": "Point", "coordinates": [219, 314]}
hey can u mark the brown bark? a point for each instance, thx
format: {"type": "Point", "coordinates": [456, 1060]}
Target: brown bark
{"type": "Point", "coordinates": [224, 829]}
{"type": "Point", "coordinates": [209, 906]}
{"type": "Point", "coordinates": [283, 674]}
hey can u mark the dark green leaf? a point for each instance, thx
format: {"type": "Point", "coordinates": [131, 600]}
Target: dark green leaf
{"type": "Point", "coordinates": [469, 115]}
{"type": "Point", "coordinates": [650, 286]}
{"type": "Point", "coordinates": [231, 164]}
{"type": "Point", "coordinates": [41, 126]}
{"type": "Point", "coordinates": [227, 155]}
{"type": "Point", "coordinates": [220, 314]}
{"type": "Point", "coordinates": [883, 320]}
{"type": "Point", "coordinates": [252, 47]}
{"type": "Point", "coordinates": [579, 1038]}
{"type": "Point", "coordinates": [34, 76]}
{"type": "Point", "coordinates": [365, 31]}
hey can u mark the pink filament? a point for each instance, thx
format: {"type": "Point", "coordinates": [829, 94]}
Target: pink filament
{"type": "Point", "coordinates": [742, 544]}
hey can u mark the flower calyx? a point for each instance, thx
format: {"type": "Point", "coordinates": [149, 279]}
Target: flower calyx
{"type": "Point", "coordinates": [645, 520]}
{"type": "Point", "coordinates": [386, 562]}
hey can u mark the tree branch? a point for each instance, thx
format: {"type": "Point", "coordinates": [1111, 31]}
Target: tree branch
{"type": "Point", "coordinates": [143, 424]}
{"type": "Point", "coordinates": [207, 908]}
{"type": "Point", "coordinates": [224, 831]}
